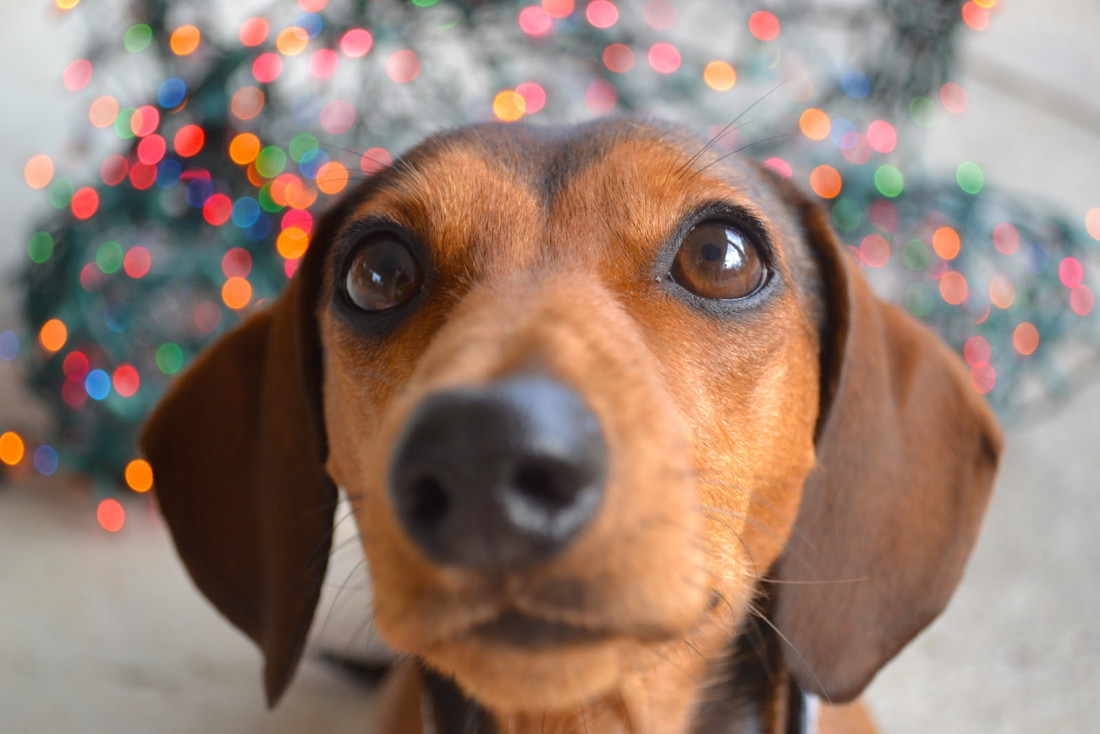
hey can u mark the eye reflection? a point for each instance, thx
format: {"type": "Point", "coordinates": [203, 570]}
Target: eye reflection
{"type": "Point", "coordinates": [383, 274]}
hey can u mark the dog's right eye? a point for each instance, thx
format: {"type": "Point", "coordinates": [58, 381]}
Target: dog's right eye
{"type": "Point", "coordinates": [382, 274]}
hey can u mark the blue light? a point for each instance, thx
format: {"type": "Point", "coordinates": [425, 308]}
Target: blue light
{"type": "Point", "coordinates": [839, 129]}
{"type": "Point", "coordinates": [198, 191]}
{"type": "Point", "coordinates": [259, 230]}
{"type": "Point", "coordinates": [168, 173]}
{"type": "Point", "coordinates": [171, 92]}
{"type": "Point", "coordinates": [312, 162]}
{"type": "Point", "coordinates": [855, 84]}
{"type": "Point", "coordinates": [9, 345]}
{"type": "Point", "coordinates": [45, 460]}
{"type": "Point", "coordinates": [246, 211]}
{"type": "Point", "coordinates": [311, 23]}
{"type": "Point", "coordinates": [98, 384]}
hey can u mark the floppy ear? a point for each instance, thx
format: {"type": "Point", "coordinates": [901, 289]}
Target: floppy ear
{"type": "Point", "coordinates": [907, 454]}
{"type": "Point", "coordinates": [237, 449]}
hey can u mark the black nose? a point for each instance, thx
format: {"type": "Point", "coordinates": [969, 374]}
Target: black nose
{"type": "Point", "coordinates": [498, 476]}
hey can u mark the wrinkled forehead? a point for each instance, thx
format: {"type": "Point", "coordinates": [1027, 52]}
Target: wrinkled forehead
{"type": "Point", "coordinates": [507, 193]}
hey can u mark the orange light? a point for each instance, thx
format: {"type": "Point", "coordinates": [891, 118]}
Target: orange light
{"type": "Point", "coordinates": [814, 124]}
{"type": "Point", "coordinates": [184, 40]}
{"type": "Point", "coordinates": [110, 515]}
{"type": "Point", "coordinates": [719, 76]}
{"type": "Point", "coordinates": [292, 41]}
{"type": "Point", "coordinates": [946, 243]}
{"type": "Point", "coordinates": [247, 102]}
{"type": "Point", "coordinates": [826, 182]}
{"type": "Point", "coordinates": [244, 148]}
{"type": "Point", "coordinates": [557, 8]}
{"type": "Point", "coordinates": [292, 243]}
{"type": "Point", "coordinates": [53, 335]}
{"type": "Point", "coordinates": [332, 177]}
{"type": "Point", "coordinates": [139, 475]}
{"type": "Point", "coordinates": [236, 293]}
{"type": "Point", "coordinates": [103, 111]}
{"type": "Point", "coordinates": [39, 171]}
{"type": "Point", "coordinates": [953, 287]}
{"type": "Point", "coordinates": [509, 105]}
{"type": "Point", "coordinates": [1092, 223]}
{"type": "Point", "coordinates": [1026, 339]}
{"type": "Point", "coordinates": [11, 448]}
{"type": "Point", "coordinates": [1002, 292]}
{"type": "Point", "coordinates": [975, 16]}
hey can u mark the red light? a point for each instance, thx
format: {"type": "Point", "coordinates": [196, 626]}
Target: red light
{"type": "Point", "coordinates": [113, 170]}
{"type": "Point", "coordinates": [126, 381]}
{"type": "Point", "coordinates": [267, 67]}
{"type": "Point", "coordinates": [764, 25]}
{"type": "Point", "coordinates": [85, 203]}
{"type": "Point", "coordinates": [137, 262]}
{"type": "Point", "coordinates": [151, 150]}
{"type": "Point", "coordinates": [217, 209]}
{"type": "Point", "coordinates": [110, 515]}
{"type": "Point", "coordinates": [189, 140]}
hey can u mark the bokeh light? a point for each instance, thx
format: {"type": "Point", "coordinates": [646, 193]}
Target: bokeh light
{"type": "Point", "coordinates": [558, 8]}
{"type": "Point", "coordinates": [509, 105]}
{"type": "Point", "coordinates": [77, 75]}
{"type": "Point", "coordinates": [826, 182]}
{"type": "Point", "coordinates": [719, 76]}
{"type": "Point", "coordinates": [1025, 338]}
{"type": "Point", "coordinates": [103, 111]}
{"type": "Point", "coordinates": [535, 21]}
{"type": "Point", "coordinates": [236, 293]}
{"type": "Point", "coordinates": [110, 515]}
{"type": "Point", "coordinates": [189, 140]}
{"type": "Point", "coordinates": [356, 43]}
{"type": "Point", "coordinates": [403, 66]}
{"type": "Point", "coordinates": [975, 16]}
{"type": "Point", "coordinates": [663, 57]}
{"type": "Point", "coordinates": [184, 40]}
{"type": "Point", "coordinates": [874, 251]}
{"type": "Point", "coordinates": [1081, 300]}
{"type": "Point", "coordinates": [601, 13]}
{"type": "Point", "coordinates": [292, 41]}
{"type": "Point", "coordinates": [814, 124]}
{"type": "Point", "coordinates": [953, 97]}
{"type": "Point", "coordinates": [247, 102]}
{"type": "Point", "coordinates": [253, 31]}
{"type": "Point", "coordinates": [38, 172]}
{"type": "Point", "coordinates": [889, 181]}
{"type": "Point", "coordinates": [1092, 223]}
{"type": "Point", "coordinates": [946, 243]}
{"type": "Point", "coordinates": [618, 57]}
{"type": "Point", "coordinates": [267, 67]}
{"type": "Point", "coordinates": [953, 287]}
{"type": "Point", "coordinates": [970, 177]}
{"type": "Point", "coordinates": [764, 25]}
{"type": "Point", "coordinates": [534, 96]}
{"type": "Point", "coordinates": [882, 136]}
{"type": "Point", "coordinates": [11, 448]}
{"type": "Point", "coordinates": [1002, 291]}
{"type": "Point", "coordinates": [139, 475]}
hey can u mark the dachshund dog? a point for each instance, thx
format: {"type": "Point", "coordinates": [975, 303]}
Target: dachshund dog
{"type": "Point", "coordinates": [631, 445]}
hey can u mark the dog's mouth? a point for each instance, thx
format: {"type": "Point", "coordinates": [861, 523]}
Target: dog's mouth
{"type": "Point", "coordinates": [518, 629]}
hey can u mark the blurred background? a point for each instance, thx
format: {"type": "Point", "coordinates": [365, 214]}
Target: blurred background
{"type": "Point", "coordinates": [162, 166]}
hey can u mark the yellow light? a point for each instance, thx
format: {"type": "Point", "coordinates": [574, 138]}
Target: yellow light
{"type": "Point", "coordinates": [719, 76]}
{"type": "Point", "coordinates": [509, 105]}
{"type": "Point", "coordinates": [292, 41]}
{"type": "Point", "coordinates": [139, 475]}
{"type": "Point", "coordinates": [11, 448]}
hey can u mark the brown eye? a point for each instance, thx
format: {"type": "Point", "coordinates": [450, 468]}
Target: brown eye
{"type": "Point", "coordinates": [383, 274]}
{"type": "Point", "coordinates": [717, 261]}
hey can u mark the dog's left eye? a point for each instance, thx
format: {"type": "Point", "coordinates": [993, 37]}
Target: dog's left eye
{"type": "Point", "coordinates": [382, 275]}
{"type": "Point", "coordinates": [718, 261]}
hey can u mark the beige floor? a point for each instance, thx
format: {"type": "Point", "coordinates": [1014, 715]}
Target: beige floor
{"type": "Point", "coordinates": [104, 633]}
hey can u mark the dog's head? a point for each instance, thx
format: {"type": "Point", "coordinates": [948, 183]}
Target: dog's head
{"type": "Point", "coordinates": [590, 391]}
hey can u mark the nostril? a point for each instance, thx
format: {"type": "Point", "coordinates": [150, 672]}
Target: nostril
{"type": "Point", "coordinates": [546, 486]}
{"type": "Point", "coordinates": [428, 504]}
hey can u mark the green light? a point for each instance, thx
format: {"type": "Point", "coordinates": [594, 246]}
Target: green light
{"type": "Point", "coordinates": [847, 214]}
{"type": "Point", "coordinates": [122, 123]}
{"type": "Point", "coordinates": [916, 255]}
{"type": "Point", "coordinates": [266, 202]}
{"type": "Point", "coordinates": [40, 247]}
{"type": "Point", "coordinates": [109, 257]}
{"type": "Point", "coordinates": [137, 38]}
{"type": "Point", "coordinates": [301, 144]}
{"type": "Point", "coordinates": [169, 358]}
{"type": "Point", "coordinates": [918, 300]}
{"type": "Point", "coordinates": [271, 161]}
{"type": "Point", "coordinates": [60, 193]}
{"type": "Point", "coordinates": [424, 3]}
{"type": "Point", "coordinates": [923, 111]}
{"type": "Point", "coordinates": [970, 177]}
{"type": "Point", "coordinates": [889, 181]}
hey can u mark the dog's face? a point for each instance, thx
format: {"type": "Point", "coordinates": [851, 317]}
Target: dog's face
{"type": "Point", "coordinates": [579, 259]}
{"type": "Point", "coordinates": [588, 390]}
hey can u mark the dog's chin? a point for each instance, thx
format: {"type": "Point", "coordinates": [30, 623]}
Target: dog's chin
{"type": "Point", "coordinates": [509, 677]}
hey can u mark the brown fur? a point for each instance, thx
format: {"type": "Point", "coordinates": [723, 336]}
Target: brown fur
{"type": "Point", "coordinates": [821, 436]}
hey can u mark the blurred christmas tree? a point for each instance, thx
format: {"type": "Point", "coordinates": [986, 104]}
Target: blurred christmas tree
{"type": "Point", "coordinates": [218, 135]}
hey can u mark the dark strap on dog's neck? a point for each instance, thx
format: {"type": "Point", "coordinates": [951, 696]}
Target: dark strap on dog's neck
{"type": "Point", "coordinates": [803, 709]}
{"type": "Point", "coordinates": [445, 709]}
